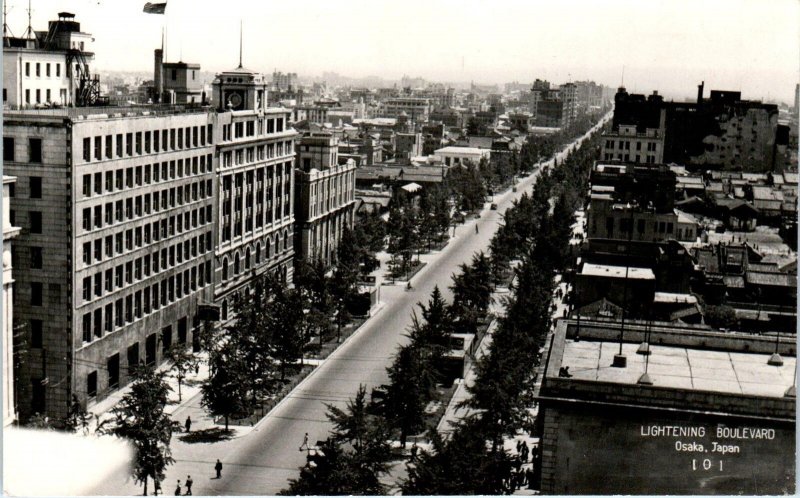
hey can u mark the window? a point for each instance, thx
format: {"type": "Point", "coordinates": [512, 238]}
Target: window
{"type": "Point", "coordinates": [58, 73]}
{"type": "Point", "coordinates": [36, 258]}
{"type": "Point", "coordinates": [36, 293]}
{"type": "Point", "coordinates": [109, 317]}
{"type": "Point", "coordinates": [35, 146]}
{"type": "Point", "coordinates": [35, 221]}
{"type": "Point", "coordinates": [113, 371]}
{"type": "Point", "coordinates": [36, 187]}
{"type": "Point", "coordinates": [38, 69]}
{"type": "Point", "coordinates": [87, 288]}
{"type": "Point", "coordinates": [87, 185]}
{"type": "Point", "coordinates": [87, 219]}
{"type": "Point", "coordinates": [98, 148]}
{"type": "Point", "coordinates": [119, 145]}
{"type": "Point", "coordinates": [87, 327]}
{"type": "Point", "coordinates": [129, 144]}
{"type": "Point", "coordinates": [27, 69]}
{"type": "Point", "coordinates": [109, 146]}
{"type": "Point", "coordinates": [91, 384]}
{"type": "Point", "coordinates": [8, 148]}
{"type": "Point", "coordinates": [27, 96]}
{"type": "Point", "coordinates": [36, 333]}
{"type": "Point", "coordinates": [138, 142]}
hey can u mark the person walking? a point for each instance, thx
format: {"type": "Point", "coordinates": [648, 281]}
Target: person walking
{"type": "Point", "coordinates": [218, 468]}
{"type": "Point", "coordinates": [188, 424]}
{"type": "Point", "coordinates": [476, 228]}
{"type": "Point", "coordinates": [189, 483]}
{"type": "Point", "coordinates": [178, 488]}
{"type": "Point", "coordinates": [305, 443]}
{"type": "Point", "coordinates": [414, 449]}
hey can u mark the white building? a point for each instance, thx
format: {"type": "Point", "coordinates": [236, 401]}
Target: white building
{"type": "Point", "coordinates": [453, 156]}
{"type": "Point", "coordinates": [9, 232]}
{"type": "Point", "coordinates": [51, 69]}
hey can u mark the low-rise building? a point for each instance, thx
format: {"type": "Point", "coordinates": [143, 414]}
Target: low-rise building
{"type": "Point", "coordinates": [457, 156]}
{"type": "Point", "coordinates": [703, 413]}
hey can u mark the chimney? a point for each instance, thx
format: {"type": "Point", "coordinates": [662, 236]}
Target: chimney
{"type": "Point", "coordinates": [700, 92]}
{"type": "Point", "coordinates": [158, 77]}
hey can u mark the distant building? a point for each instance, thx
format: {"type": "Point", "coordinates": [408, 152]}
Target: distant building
{"type": "Point", "coordinates": [54, 68]}
{"type": "Point", "coordinates": [718, 412]}
{"type": "Point", "coordinates": [9, 233]}
{"type": "Point", "coordinates": [283, 81]}
{"type": "Point", "coordinates": [550, 113]}
{"type": "Point", "coordinates": [182, 80]}
{"type": "Point", "coordinates": [569, 99]}
{"type": "Point", "coordinates": [417, 108]}
{"type": "Point", "coordinates": [628, 144]}
{"type": "Point", "coordinates": [459, 156]}
{"type": "Point", "coordinates": [325, 201]}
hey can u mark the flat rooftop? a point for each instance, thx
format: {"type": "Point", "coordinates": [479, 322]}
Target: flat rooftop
{"type": "Point", "coordinates": [459, 150]}
{"type": "Point", "coordinates": [681, 368]}
{"type": "Point", "coordinates": [609, 271]}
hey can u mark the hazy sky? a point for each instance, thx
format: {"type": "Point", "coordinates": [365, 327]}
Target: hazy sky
{"type": "Point", "coordinates": [669, 45]}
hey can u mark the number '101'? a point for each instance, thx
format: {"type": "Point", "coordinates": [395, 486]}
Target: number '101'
{"type": "Point", "coordinates": [704, 464]}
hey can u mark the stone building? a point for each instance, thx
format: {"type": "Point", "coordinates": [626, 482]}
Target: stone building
{"type": "Point", "coordinates": [255, 178]}
{"type": "Point", "coordinates": [116, 207]}
{"type": "Point", "coordinates": [9, 233]}
{"type": "Point", "coordinates": [325, 201]}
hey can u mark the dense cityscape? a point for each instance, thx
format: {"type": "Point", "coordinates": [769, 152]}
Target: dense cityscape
{"type": "Point", "coordinates": [243, 282]}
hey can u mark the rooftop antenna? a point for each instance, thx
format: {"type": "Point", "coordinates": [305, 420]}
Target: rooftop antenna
{"type": "Point", "coordinates": [6, 29]}
{"type": "Point", "coordinates": [29, 32]}
{"type": "Point", "coordinates": [622, 82]}
{"type": "Point", "coordinates": [240, 43]}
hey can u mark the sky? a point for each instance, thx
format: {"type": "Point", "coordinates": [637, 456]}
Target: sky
{"type": "Point", "coordinates": [665, 45]}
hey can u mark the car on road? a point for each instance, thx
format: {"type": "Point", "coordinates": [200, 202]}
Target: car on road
{"type": "Point", "coordinates": [494, 206]}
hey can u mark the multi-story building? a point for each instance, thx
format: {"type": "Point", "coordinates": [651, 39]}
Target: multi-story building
{"type": "Point", "coordinates": [50, 69]}
{"type": "Point", "coordinates": [417, 108]}
{"type": "Point", "coordinates": [116, 207]}
{"type": "Point", "coordinates": [569, 99]}
{"type": "Point", "coordinates": [325, 201]}
{"type": "Point", "coordinates": [283, 81]}
{"type": "Point", "coordinates": [182, 80]}
{"type": "Point", "coordinates": [9, 233]}
{"type": "Point", "coordinates": [255, 178]}
{"type": "Point", "coordinates": [311, 113]}
{"type": "Point", "coordinates": [627, 144]}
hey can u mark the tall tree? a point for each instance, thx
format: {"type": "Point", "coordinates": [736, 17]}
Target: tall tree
{"type": "Point", "coordinates": [225, 392]}
{"type": "Point", "coordinates": [140, 418]}
{"type": "Point", "coordinates": [183, 361]}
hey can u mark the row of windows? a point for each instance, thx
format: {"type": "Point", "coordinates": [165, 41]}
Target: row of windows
{"type": "Point", "coordinates": [134, 306]}
{"type": "Point", "coordinates": [241, 191]}
{"type": "Point", "coordinates": [243, 129]}
{"type": "Point", "coordinates": [260, 153]}
{"type": "Point", "coordinates": [269, 252]}
{"type": "Point", "coordinates": [48, 95]}
{"type": "Point", "coordinates": [34, 150]}
{"type": "Point", "coordinates": [113, 279]}
{"type": "Point", "coordinates": [608, 156]}
{"type": "Point", "coordinates": [143, 205]}
{"type": "Point", "coordinates": [626, 145]}
{"type": "Point", "coordinates": [47, 67]}
{"type": "Point", "coordinates": [137, 176]}
{"type": "Point", "coordinates": [141, 236]}
{"type": "Point", "coordinates": [130, 144]}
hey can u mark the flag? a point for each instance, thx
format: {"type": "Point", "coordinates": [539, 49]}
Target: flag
{"type": "Point", "coordinates": [155, 8]}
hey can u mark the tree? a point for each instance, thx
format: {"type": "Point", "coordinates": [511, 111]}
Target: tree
{"type": "Point", "coordinates": [225, 392]}
{"type": "Point", "coordinates": [344, 288]}
{"type": "Point", "coordinates": [140, 418]}
{"type": "Point", "coordinates": [721, 317]}
{"type": "Point", "coordinates": [472, 291]}
{"type": "Point", "coordinates": [286, 324]}
{"type": "Point", "coordinates": [405, 400]}
{"type": "Point", "coordinates": [459, 465]}
{"type": "Point", "coordinates": [352, 460]}
{"type": "Point", "coordinates": [183, 361]}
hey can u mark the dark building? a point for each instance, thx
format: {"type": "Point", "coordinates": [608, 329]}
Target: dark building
{"type": "Point", "coordinates": [719, 132]}
{"type": "Point", "coordinates": [714, 414]}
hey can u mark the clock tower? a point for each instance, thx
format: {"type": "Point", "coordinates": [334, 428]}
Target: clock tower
{"type": "Point", "coordinates": [240, 89]}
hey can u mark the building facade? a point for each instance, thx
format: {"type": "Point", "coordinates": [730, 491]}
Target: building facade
{"type": "Point", "coordinates": [255, 178]}
{"type": "Point", "coordinates": [325, 201]}
{"type": "Point", "coordinates": [9, 233]}
{"type": "Point", "coordinates": [628, 145]}
{"type": "Point", "coordinates": [116, 248]}
{"type": "Point", "coordinates": [53, 69]}
{"type": "Point", "coordinates": [417, 108]}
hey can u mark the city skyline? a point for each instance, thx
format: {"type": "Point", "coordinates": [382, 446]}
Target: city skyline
{"type": "Point", "coordinates": [752, 49]}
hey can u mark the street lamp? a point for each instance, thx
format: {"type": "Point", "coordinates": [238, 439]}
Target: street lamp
{"type": "Point", "coordinates": [620, 360]}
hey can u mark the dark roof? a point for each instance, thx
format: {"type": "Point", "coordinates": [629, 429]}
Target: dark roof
{"type": "Point", "coordinates": [771, 279]}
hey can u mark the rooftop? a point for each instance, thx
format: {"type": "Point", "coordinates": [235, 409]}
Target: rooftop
{"type": "Point", "coordinates": [680, 367]}
{"type": "Point", "coordinates": [460, 150]}
{"type": "Point", "coordinates": [610, 271]}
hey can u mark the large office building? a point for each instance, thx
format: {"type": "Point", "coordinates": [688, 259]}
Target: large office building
{"type": "Point", "coordinates": [325, 201]}
{"type": "Point", "coordinates": [116, 207]}
{"type": "Point", "coordinates": [416, 108]}
{"type": "Point", "coordinates": [702, 413]}
{"type": "Point", "coordinates": [255, 179]}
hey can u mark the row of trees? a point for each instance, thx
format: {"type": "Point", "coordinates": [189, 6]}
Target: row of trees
{"type": "Point", "coordinates": [535, 232]}
{"type": "Point", "coordinates": [338, 466]}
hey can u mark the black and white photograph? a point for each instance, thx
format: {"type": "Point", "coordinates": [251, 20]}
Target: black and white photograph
{"type": "Point", "coordinates": [426, 248]}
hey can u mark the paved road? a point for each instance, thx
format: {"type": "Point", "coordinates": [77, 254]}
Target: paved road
{"type": "Point", "coordinates": [261, 460]}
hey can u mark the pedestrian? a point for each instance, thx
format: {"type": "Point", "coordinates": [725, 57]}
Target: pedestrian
{"type": "Point", "coordinates": [189, 483]}
{"type": "Point", "coordinates": [519, 445]}
{"type": "Point", "coordinates": [156, 487]}
{"type": "Point", "coordinates": [524, 452]}
{"type": "Point", "coordinates": [529, 475]}
{"type": "Point", "coordinates": [414, 449]}
{"type": "Point", "coordinates": [218, 468]}
{"type": "Point", "coordinates": [178, 488]}
{"type": "Point", "coordinates": [188, 424]}
{"type": "Point", "coordinates": [476, 228]}
{"type": "Point", "coordinates": [197, 368]}
{"type": "Point", "coordinates": [305, 443]}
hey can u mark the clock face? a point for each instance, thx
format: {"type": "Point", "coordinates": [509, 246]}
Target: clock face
{"type": "Point", "coordinates": [236, 100]}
